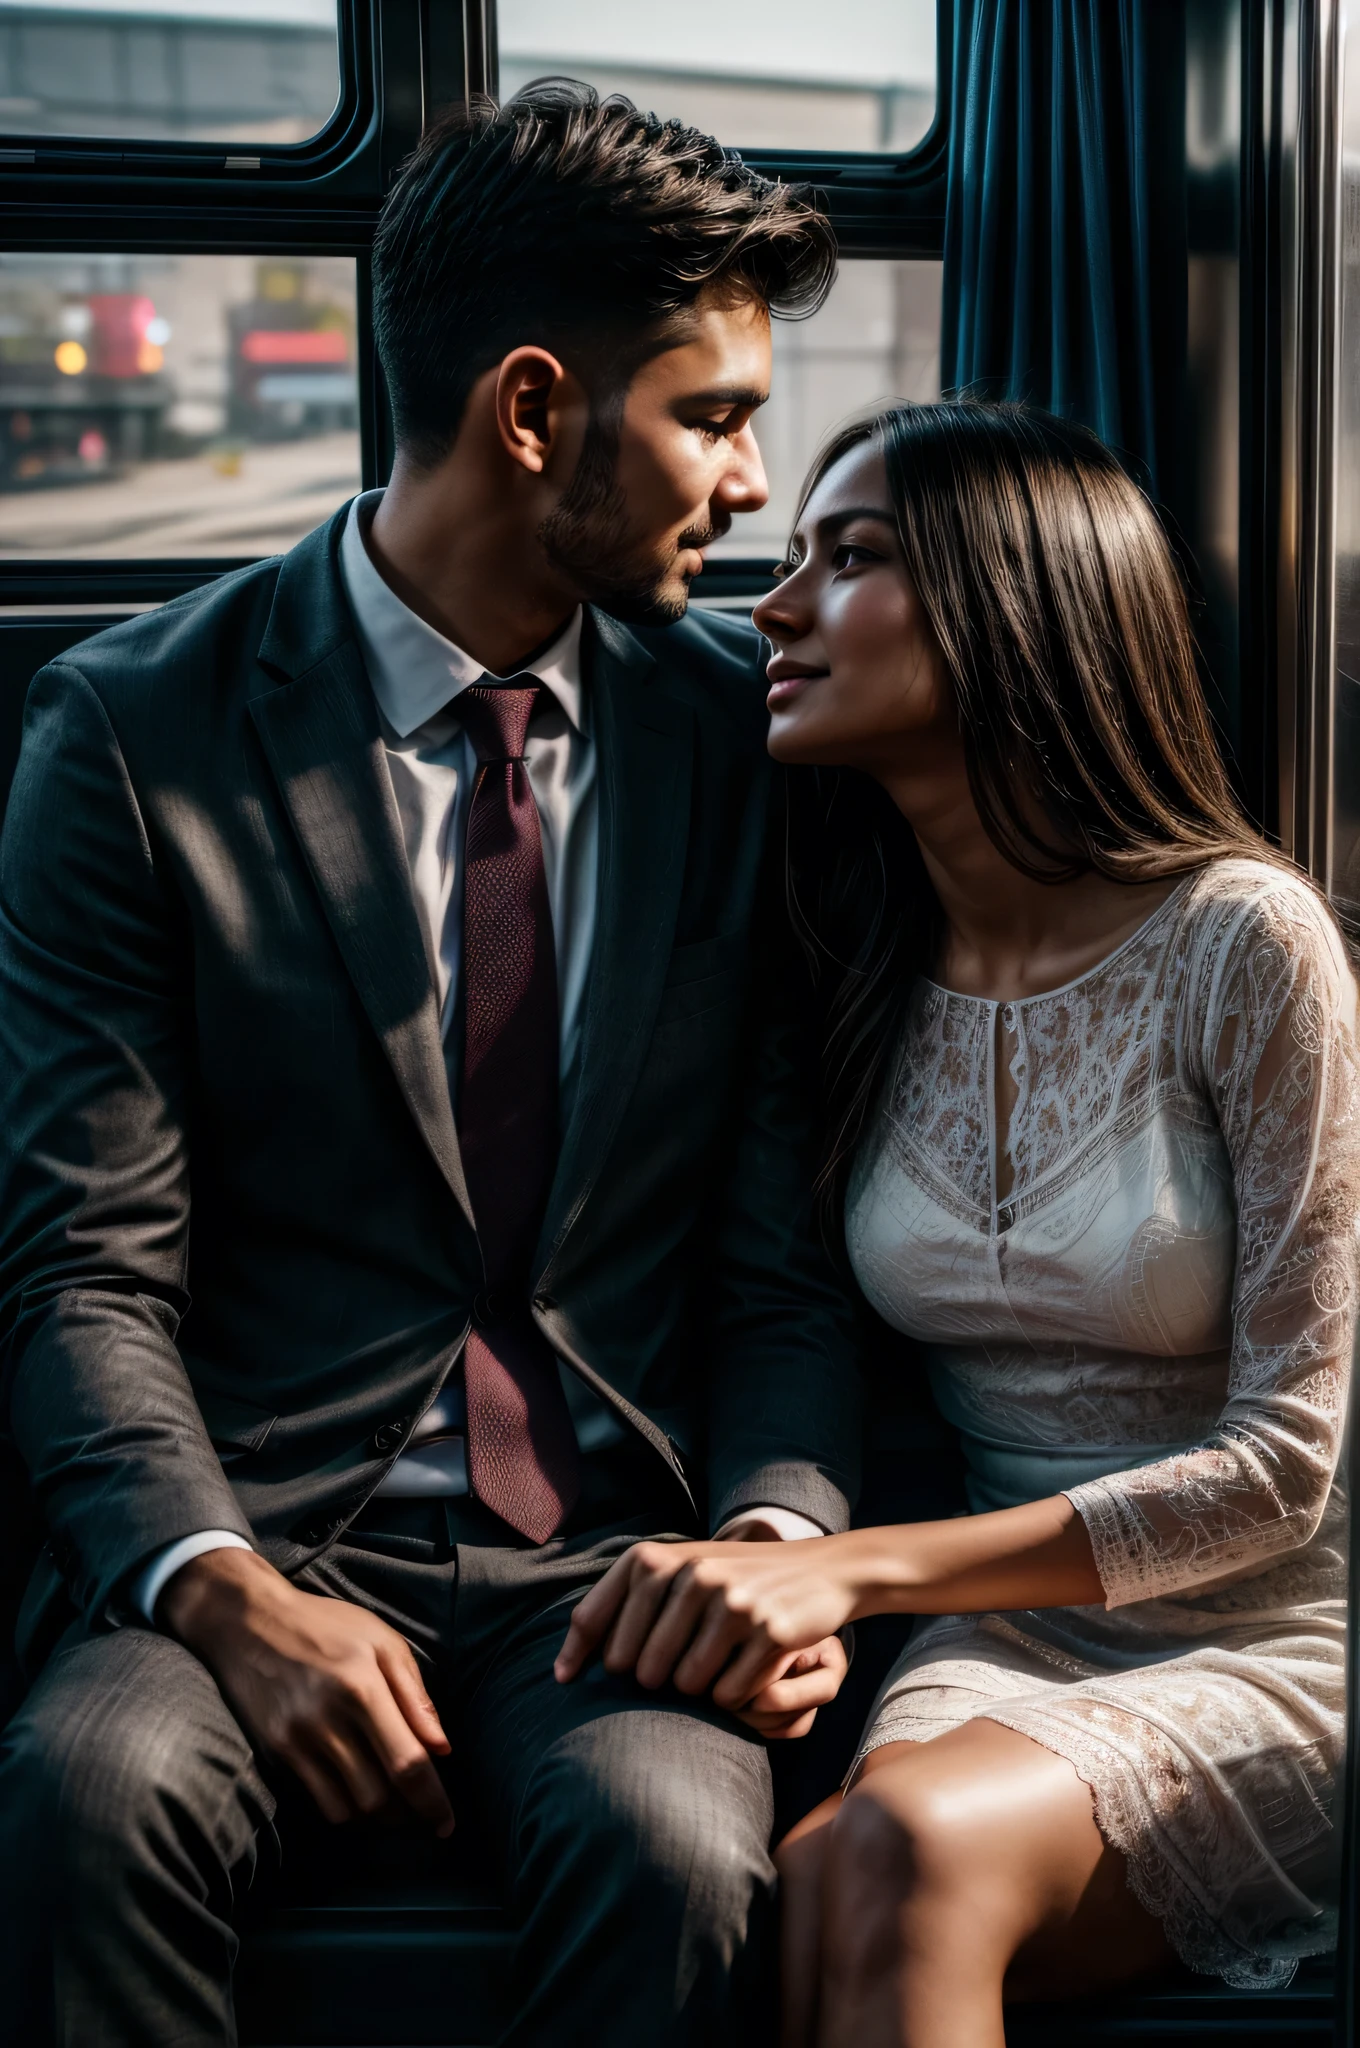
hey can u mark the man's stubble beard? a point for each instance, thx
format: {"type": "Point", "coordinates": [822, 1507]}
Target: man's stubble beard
{"type": "Point", "coordinates": [591, 539]}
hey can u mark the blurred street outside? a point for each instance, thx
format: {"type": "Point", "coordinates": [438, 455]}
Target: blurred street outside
{"type": "Point", "coordinates": [257, 501]}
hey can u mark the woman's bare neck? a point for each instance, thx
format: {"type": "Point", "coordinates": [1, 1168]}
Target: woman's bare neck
{"type": "Point", "coordinates": [1007, 935]}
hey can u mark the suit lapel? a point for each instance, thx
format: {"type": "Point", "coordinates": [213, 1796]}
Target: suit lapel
{"type": "Point", "coordinates": [321, 737]}
{"type": "Point", "coordinates": [644, 741]}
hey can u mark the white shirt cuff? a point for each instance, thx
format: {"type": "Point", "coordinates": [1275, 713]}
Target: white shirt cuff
{"type": "Point", "coordinates": [152, 1581]}
{"type": "Point", "coordinates": [786, 1525]}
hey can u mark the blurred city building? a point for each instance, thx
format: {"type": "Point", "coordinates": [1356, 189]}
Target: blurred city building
{"type": "Point", "coordinates": [169, 70]}
{"type": "Point", "coordinates": [206, 405]}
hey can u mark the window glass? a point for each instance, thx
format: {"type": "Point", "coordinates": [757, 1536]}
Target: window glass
{"type": "Point", "coordinates": [174, 405]}
{"type": "Point", "coordinates": [876, 338]}
{"type": "Point", "coordinates": [169, 70]}
{"type": "Point", "coordinates": [758, 74]}
{"type": "Point", "coordinates": [1342, 800]}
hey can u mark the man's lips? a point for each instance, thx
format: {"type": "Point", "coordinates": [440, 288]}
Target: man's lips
{"type": "Point", "coordinates": [697, 539]}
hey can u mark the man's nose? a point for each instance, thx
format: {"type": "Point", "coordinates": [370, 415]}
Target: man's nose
{"type": "Point", "coordinates": [744, 486]}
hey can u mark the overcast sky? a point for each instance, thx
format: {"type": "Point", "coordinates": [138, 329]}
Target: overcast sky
{"type": "Point", "coordinates": [887, 42]}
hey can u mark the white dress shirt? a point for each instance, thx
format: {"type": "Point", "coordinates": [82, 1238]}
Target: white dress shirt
{"type": "Point", "coordinates": [417, 676]}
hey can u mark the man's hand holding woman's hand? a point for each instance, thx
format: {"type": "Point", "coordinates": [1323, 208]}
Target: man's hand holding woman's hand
{"type": "Point", "coordinates": [323, 1685]}
{"type": "Point", "coordinates": [754, 1623]}
{"type": "Point", "coordinates": [736, 1616]}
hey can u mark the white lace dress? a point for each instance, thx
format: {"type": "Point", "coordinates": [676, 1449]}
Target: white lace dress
{"type": "Point", "coordinates": [1156, 1321]}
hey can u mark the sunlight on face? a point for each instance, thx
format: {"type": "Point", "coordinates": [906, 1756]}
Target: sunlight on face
{"type": "Point", "coordinates": [857, 680]}
{"type": "Point", "coordinates": [688, 463]}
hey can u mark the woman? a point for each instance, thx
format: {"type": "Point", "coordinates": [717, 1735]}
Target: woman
{"type": "Point", "coordinates": [1094, 1112]}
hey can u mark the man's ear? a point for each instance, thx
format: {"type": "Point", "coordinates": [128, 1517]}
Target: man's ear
{"type": "Point", "coordinates": [534, 394]}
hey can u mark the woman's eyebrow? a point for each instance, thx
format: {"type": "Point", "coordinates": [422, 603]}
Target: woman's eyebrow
{"type": "Point", "coordinates": [835, 520]}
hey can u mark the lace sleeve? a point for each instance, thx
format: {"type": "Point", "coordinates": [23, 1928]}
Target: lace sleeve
{"type": "Point", "coordinates": [1268, 1029]}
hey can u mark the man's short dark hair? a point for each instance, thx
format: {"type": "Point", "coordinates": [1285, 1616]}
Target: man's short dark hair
{"type": "Point", "coordinates": [576, 223]}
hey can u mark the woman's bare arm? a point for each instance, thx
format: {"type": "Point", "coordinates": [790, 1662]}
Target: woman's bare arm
{"type": "Point", "coordinates": [728, 1615]}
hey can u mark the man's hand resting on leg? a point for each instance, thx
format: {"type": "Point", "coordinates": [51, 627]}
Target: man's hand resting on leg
{"type": "Point", "coordinates": [319, 1683]}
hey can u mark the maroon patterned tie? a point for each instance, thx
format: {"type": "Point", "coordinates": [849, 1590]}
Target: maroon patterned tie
{"type": "Point", "coordinates": [521, 1448]}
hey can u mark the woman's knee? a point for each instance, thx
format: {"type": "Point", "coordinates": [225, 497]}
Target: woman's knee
{"type": "Point", "coordinates": [799, 1857]}
{"type": "Point", "coordinates": [899, 1869]}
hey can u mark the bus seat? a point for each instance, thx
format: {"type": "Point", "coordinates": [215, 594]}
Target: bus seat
{"type": "Point", "coordinates": [398, 1943]}
{"type": "Point", "coordinates": [399, 1962]}
{"type": "Point", "coordinates": [406, 1944]}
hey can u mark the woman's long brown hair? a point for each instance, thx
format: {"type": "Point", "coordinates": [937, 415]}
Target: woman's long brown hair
{"type": "Point", "coordinates": [1062, 622]}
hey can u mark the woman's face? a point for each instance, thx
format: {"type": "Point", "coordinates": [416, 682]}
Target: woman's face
{"type": "Point", "coordinates": [857, 680]}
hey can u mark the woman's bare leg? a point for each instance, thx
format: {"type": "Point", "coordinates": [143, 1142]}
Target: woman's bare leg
{"type": "Point", "coordinates": [799, 1860]}
{"type": "Point", "coordinates": [947, 1863]}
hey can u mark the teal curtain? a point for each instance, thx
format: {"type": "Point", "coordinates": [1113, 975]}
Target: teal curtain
{"type": "Point", "coordinates": [1065, 229]}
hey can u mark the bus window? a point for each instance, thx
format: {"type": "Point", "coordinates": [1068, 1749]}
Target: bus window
{"type": "Point", "coordinates": [174, 406]}
{"type": "Point", "coordinates": [169, 70]}
{"type": "Point", "coordinates": [1342, 802]}
{"type": "Point", "coordinates": [877, 337]}
{"type": "Point", "coordinates": [767, 74]}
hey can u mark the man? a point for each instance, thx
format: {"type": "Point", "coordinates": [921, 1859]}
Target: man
{"type": "Point", "coordinates": [404, 1184]}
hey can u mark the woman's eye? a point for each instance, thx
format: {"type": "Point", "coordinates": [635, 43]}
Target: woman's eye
{"type": "Point", "coordinates": [849, 554]}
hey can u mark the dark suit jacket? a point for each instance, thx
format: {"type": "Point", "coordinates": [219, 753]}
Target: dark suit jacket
{"type": "Point", "coordinates": [237, 1257]}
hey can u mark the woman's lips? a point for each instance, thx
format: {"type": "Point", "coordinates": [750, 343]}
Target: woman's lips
{"type": "Point", "coordinates": [788, 685]}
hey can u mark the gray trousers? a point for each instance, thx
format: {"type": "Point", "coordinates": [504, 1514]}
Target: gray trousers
{"type": "Point", "coordinates": [632, 1830]}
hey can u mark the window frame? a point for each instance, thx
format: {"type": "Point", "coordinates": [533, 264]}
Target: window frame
{"type": "Point", "coordinates": [344, 168]}
{"type": "Point", "coordinates": [401, 63]}
{"type": "Point", "coordinates": [59, 158]}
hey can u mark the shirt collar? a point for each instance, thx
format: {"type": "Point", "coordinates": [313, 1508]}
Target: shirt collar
{"type": "Point", "coordinates": [413, 669]}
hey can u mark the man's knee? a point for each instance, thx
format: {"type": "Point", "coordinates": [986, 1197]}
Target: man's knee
{"type": "Point", "coordinates": [645, 1881]}
{"type": "Point", "coordinates": [124, 1749]}
{"type": "Point", "coordinates": [678, 1808]}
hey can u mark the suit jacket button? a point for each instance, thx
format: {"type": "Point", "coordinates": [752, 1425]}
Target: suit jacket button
{"type": "Point", "coordinates": [389, 1436]}
{"type": "Point", "coordinates": [493, 1306]}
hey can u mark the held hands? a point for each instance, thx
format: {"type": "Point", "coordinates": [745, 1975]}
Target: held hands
{"type": "Point", "coordinates": [324, 1686]}
{"type": "Point", "coordinates": [755, 1622]}
{"type": "Point", "coordinates": [786, 1709]}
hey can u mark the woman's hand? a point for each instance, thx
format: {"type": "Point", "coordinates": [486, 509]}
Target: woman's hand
{"type": "Point", "coordinates": [734, 1616]}
{"type": "Point", "coordinates": [731, 1616]}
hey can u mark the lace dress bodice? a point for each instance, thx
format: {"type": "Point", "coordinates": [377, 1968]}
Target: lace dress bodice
{"type": "Point", "coordinates": [1153, 1313]}
{"type": "Point", "coordinates": [1173, 1268]}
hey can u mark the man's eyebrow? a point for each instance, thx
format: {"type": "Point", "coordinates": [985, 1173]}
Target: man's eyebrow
{"type": "Point", "coordinates": [738, 396]}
